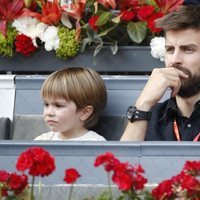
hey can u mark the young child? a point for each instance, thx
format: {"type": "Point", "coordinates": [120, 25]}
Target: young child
{"type": "Point", "coordinates": [73, 100]}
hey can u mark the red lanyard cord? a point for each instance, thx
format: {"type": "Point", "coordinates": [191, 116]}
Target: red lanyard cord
{"type": "Point", "coordinates": [177, 134]}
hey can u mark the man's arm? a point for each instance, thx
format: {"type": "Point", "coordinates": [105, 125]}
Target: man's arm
{"type": "Point", "coordinates": [159, 81]}
{"type": "Point", "coordinates": [135, 131]}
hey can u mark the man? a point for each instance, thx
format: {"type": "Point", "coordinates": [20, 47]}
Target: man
{"type": "Point", "coordinates": [178, 118]}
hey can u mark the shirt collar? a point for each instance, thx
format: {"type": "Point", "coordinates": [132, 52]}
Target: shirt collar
{"type": "Point", "coordinates": [171, 109]}
{"type": "Point", "coordinates": [197, 105]}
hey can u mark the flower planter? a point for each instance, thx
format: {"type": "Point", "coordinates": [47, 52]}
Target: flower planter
{"type": "Point", "coordinates": [132, 60]}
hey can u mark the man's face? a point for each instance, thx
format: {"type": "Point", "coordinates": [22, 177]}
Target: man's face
{"type": "Point", "coordinates": [183, 52]}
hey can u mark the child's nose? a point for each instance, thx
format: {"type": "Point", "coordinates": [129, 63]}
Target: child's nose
{"type": "Point", "coordinates": [50, 111]}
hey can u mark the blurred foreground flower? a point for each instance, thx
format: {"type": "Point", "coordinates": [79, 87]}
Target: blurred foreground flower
{"type": "Point", "coordinates": [71, 176]}
{"type": "Point", "coordinates": [38, 162]}
{"type": "Point", "coordinates": [128, 178]}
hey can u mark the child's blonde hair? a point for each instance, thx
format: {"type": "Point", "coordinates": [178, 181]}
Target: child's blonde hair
{"type": "Point", "coordinates": [83, 86]}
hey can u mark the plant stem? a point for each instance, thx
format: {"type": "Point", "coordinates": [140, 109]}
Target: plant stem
{"type": "Point", "coordinates": [0, 193]}
{"type": "Point", "coordinates": [40, 190]}
{"type": "Point", "coordinates": [109, 186]}
{"type": "Point", "coordinates": [70, 192]}
{"type": "Point", "coordinates": [32, 188]}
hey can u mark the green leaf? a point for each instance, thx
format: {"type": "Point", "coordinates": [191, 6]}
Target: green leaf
{"type": "Point", "coordinates": [98, 48]}
{"type": "Point", "coordinates": [137, 31]}
{"type": "Point", "coordinates": [116, 19]}
{"type": "Point", "coordinates": [103, 19]}
{"type": "Point", "coordinates": [151, 2]}
{"type": "Point", "coordinates": [114, 48]}
{"type": "Point", "coordinates": [105, 32]}
{"type": "Point", "coordinates": [84, 43]}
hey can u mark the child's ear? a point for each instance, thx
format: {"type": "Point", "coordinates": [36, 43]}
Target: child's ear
{"type": "Point", "coordinates": [86, 112]}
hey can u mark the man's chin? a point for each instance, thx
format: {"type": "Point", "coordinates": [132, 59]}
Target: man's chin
{"type": "Point", "coordinates": [187, 93]}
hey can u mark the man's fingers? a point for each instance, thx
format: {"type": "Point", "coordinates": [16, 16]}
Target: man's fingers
{"type": "Point", "coordinates": [175, 86]}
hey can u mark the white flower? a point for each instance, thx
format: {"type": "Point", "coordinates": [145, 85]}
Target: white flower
{"type": "Point", "coordinates": [30, 27]}
{"type": "Point", "coordinates": [158, 48]}
{"type": "Point", "coordinates": [50, 38]}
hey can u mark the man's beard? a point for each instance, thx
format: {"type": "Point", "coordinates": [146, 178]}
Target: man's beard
{"type": "Point", "coordinates": [190, 86]}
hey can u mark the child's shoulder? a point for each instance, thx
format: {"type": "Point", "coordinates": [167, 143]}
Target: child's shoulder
{"type": "Point", "coordinates": [46, 136]}
{"type": "Point", "coordinates": [92, 136]}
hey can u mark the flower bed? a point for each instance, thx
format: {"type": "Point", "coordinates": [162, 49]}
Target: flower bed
{"type": "Point", "coordinates": [129, 179]}
{"type": "Point", "coordinates": [67, 27]}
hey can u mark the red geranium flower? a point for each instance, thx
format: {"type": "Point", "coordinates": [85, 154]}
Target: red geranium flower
{"type": "Point", "coordinates": [191, 184]}
{"type": "Point", "coordinates": [139, 181]}
{"type": "Point", "coordinates": [128, 177]}
{"type": "Point", "coordinates": [127, 15]}
{"type": "Point", "coordinates": [123, 176]}
{"type": "Point", "coordinates": [187, 183]}
{"type": "Point", "coordinates": [151, 22]}
{"type": "Point", "coordinates": [108, 160]}
{"type": "Point", "coordinates": [71, 175]}
{"type": "Point", "coordinates": [4, 176]}
{"type": "Point", "coordinates": [127, 4]}
{"type": "Point", "coordinates": [92, 22]}
{"type": "Point", "coordinates": [38, 161]}
{"type": "Point", "coordinates": [12, 182]}
{"type": "Point", "coordinates": [192, 167]}
{"type": "Point", "coordinates": [24, 45]}
{"type": "Point", "coordinates": [17, 183]}
{"type": "Point", "coordinates": [164, 189]}
{"type": "Point", "coordinates": [145, 11]}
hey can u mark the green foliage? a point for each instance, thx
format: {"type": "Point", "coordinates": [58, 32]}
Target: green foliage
{"type": "Point", "coordinates": [137, 31]}
{"type": "Point", "coordinates": [102, 196]}
{"type": "Point", "coordinates": [7, 42]}
{"type": "Point", "coordinates": [103, 18]}
{"type": "Point", "coordinates": [68, 46]}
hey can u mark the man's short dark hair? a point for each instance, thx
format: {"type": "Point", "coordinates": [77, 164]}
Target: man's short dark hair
{"type": "Point", "coordinates": [186, 17]}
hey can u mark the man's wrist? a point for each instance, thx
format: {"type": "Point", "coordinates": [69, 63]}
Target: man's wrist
{"type": "Point", "coordinates": [134, 114]}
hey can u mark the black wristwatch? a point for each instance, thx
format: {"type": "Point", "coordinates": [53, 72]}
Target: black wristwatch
{"type": "Point", "coordinates": [134, 114]}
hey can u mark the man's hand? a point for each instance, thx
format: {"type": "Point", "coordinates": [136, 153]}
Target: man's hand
{"type": "Point", "coordinates": [160, 80]}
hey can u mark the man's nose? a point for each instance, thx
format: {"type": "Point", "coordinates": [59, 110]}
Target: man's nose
{"type": "Point", "coordinates": [177, 57]}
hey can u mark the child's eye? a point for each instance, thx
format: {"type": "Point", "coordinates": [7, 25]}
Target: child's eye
{"type": "Point", "coordinates": [45, 104]}
{"type": "Point", "coordinates": [59, 105]}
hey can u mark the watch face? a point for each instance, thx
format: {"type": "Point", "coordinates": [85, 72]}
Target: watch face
{"type": "Point", "coordinates": [130, 112]}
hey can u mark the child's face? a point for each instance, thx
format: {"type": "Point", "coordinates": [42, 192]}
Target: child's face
{"type": "Point", "coordinates": [62, 116]}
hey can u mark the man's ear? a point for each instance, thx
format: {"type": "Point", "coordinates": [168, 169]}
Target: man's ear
{"type": "Point", "coordinates": [86, 112]}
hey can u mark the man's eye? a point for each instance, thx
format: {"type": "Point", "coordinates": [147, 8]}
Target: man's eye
{"type": "Point", "coordinates": [169, 50]}
{"type": "Point", "coordinates": [188, 50]}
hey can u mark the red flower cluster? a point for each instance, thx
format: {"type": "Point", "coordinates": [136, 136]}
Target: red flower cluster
{"type": "Point", "coordinates": [126, 176]}
{"type": "Point", "coordinates": [192, 167]}
{"type": "Point", "coordinates": [11, 182]}
{"type": "Point", "coordinates": [24, 45]}
{"type": "Point", "coordinates": [71, 175]}
{"type": "Point", "coordinates": [38, 161]}
{"type": "Point", "coordinates": [185, 185]}
{"type": "Point", "coordinates": [108, 160]}
{"type": "Point", "coordinates": [144, 13]}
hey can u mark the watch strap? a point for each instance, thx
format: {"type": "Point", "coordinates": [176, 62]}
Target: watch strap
{"type": "Point", "coordinates": [134, 114]}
